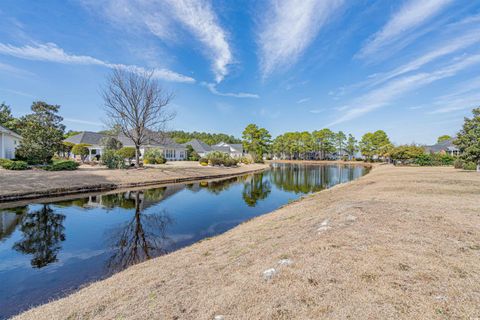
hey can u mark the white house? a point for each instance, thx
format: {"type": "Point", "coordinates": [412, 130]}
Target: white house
{"type": "Point", "coordinates": [9, 141]}
{"type": "Point", "coordinates": [235, 150]}
{"type": "Point", "coordinates": [172, 151]}
{"type": "Point", "coordinates": [200, 147]}
{"type": "Point", "coordinates": [203, 149]}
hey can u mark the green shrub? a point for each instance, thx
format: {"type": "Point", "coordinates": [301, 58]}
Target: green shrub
{"type": "Point", "coordinates": [458, 163]}
{"type": "Point", "coordinates": [434, 159]}
{"type": "Point", "coordinates": [4, 162]}
{"type": "Point", "coordinates": [154, 156]}
{"type": "Point", "coordinates": [469, 166]}
{"type": "Point", "coordinates": [246, 159]}
{"type": "Point", "coordinates": [81, 150]}
{"type": "Point", "coordinates": [15, 165]}
{"type": "Point", "coordinates": [127, 153]}
{"type": "Point", "coordinates": [203, 161]}
{"type": "Point", "coordinates": [62, 165]}
{"type": "Point", "coordinates": [218, 158]}
{"type": "Point", "coordinates": [112, 160]}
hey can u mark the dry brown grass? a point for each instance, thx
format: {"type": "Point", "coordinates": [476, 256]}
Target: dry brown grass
{"type": "Point", "coordinates": [400, 243]}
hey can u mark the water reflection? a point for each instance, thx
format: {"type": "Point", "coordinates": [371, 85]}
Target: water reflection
{"type": "Point", "coordinates": [43, 232]}
{"type": "Point", "coordinates": [142, 237]}
{"type": "Point", "coordinates": [256, 188]}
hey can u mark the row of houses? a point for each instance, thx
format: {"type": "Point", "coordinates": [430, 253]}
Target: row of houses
{"type": "Point", "coordinates": [172, 151]}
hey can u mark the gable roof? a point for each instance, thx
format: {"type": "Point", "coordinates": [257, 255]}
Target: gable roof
{"type": "Point", "coordinates": [446, 145]}
{"type": "Point", "coordinates": [88, 137]}
{"type": "Point", "coordinates": [154, 139]}
{"type": "Point", "coordinates": [198, 146]}
{"type": "Point", "coordinates": [10, 132]}
{"type": "Point", "coordinates": [230, 147]}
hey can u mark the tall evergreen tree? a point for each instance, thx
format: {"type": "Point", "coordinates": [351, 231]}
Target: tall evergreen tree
{"type": "Point", "coordinates": [256, 141]}
{"type": "Point", "coordinates": [468, 139]}
{"type": "Point", "coordinates": [42, 133]}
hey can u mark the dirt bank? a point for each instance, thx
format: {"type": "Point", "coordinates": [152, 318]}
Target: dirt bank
{"type": "Point", "coordinates": [400, 243]}
{"type": "Point", "coordinates": [30, 184]}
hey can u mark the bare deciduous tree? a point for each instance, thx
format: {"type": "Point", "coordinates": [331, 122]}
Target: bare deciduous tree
{"type": "Point", "coordinates": [136, 103]}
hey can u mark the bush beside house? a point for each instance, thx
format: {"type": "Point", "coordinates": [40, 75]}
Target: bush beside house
{"type": "Point", "coordinates": [154, 156]}
{"type": "Point", "coordinates": [218, 158]}
{"type": "Point", "coordinates": [62, 165]}
{"type": "Point", "coordinates": [81, 150]}
{"type": "Point", "coordinates": [127, 153]}
{"type": "Point", "coordinates": [13, 165]}
{"type": "Point", "coordinates": [113, 160]}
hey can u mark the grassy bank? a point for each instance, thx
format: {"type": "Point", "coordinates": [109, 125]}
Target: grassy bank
{"type": "Point", "coordinates": [31, 184]}
{"type": "Point", "coordinates": [399, 243]}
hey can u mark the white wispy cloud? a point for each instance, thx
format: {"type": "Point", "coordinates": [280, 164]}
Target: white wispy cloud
{"type": "Point", "coordinates": [465, 96]}
{"type": "Point", "coordinates": [166, 18]}
{"type": "Point", "coordinates": [303, 100]}
{"type": "Point", "coordinates": [11, 70]}
{"type": "Point", "coordinates": [198, 17]}
{"type": "Point", "coordinates": [445, 48]}
{"type": "Point", "coordinates": [289, 28]}
{"type": "Point", "coordinates": [411, 15]}
{"type": "Point", "coordinates": [213, 89]}
{"type": "Point", "coordinates": [394, 89]}
{"type": "Point", "coordinates": [52, 53]}
{"type": "Point", "coordinates": [80, 121]}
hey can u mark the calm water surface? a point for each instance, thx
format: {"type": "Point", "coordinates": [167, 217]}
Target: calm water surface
{"type": "Point", "coordinates": [52, 248]}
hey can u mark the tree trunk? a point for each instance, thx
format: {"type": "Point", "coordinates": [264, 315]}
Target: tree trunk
{"type": "Point", "coordinates": [137, 157]}
{"type": "Point", "coordinates": [478, 166]}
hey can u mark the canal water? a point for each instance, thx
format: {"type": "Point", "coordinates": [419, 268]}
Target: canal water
{"type": "Point", "coordinates": [49, 249]}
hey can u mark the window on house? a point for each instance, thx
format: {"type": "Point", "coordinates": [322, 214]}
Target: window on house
{"type": "Point", "coordinates": [93, 151]}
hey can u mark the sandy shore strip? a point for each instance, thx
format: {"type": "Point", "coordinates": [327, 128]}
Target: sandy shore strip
{"type": "Point", "coordinates": [399, 243]}
{"type": "Point", "coordinates": [31, 184]}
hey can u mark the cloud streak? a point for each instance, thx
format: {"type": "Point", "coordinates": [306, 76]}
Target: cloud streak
{"type": "Point", "coordinates": [50, 52]}
{"type": "Point", "coordinates": [394, 89]}
{"type": "Point", "coordinates": [166, 18]}
{"type": "Point", "coordinates": [411, 15]}
{"type": "Point", "coordinates": [289, 29]}
{"type": "Point", "coordinates": [213, 89]}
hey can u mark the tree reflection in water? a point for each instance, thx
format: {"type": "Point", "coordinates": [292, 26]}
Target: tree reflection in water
{"type": "Point", "coordinates": [255, 189]}
{"type": "Point", "coordinates": [141, 238]}
{"type": "Point", "coordinates": [43, 231]}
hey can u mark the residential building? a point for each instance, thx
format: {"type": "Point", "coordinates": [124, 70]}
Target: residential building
{"type": "Point", "coordinates": [9, 142]}
{"type": "Point", "coordinates": [235, 150]}
{"type": "Point", "coordinates": [203, 149]}
{"type": "Point", "coordinates": [445, 147]}
{"type": "Point", "coordinates": [172, 151]}
{"type": "Point", "coordinates": [200, 147]}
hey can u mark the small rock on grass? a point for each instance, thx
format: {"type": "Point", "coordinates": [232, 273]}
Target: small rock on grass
{"type": "Point", "coordinates": [285, 262]}
{"type": "Point", "coordinates": [269, 273]}
{"type": "Point", "coordinates": [351, 218]}
{"type": "Point", "coordinates": [324, 226]}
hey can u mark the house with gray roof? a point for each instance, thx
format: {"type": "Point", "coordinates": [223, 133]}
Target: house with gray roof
{"type": "Point", "coordinates": [235, 150]}
{"type": "Point", "coordinates": [446, 147]}
{"type": "Point", "coordinates": [171, 150]}
{"type": "Point", "coordinates": [200, 147]}
{"type": "Point", "coordinates": [9, 142]}
{"type": "Point", "coordinates": [203, 149]}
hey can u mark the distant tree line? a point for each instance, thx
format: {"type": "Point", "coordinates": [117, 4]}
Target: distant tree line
{"type": "Point", "coordinates": [209, 138]}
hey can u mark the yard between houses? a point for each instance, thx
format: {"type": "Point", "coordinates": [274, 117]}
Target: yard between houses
{"type": "Point", "coordinates": [28, 184]}
{"type": "Point", "coordinates": [399, 243]}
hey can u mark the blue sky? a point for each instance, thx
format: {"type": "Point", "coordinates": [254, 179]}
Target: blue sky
{"type": "Point", "coordinates": [408, 67]}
